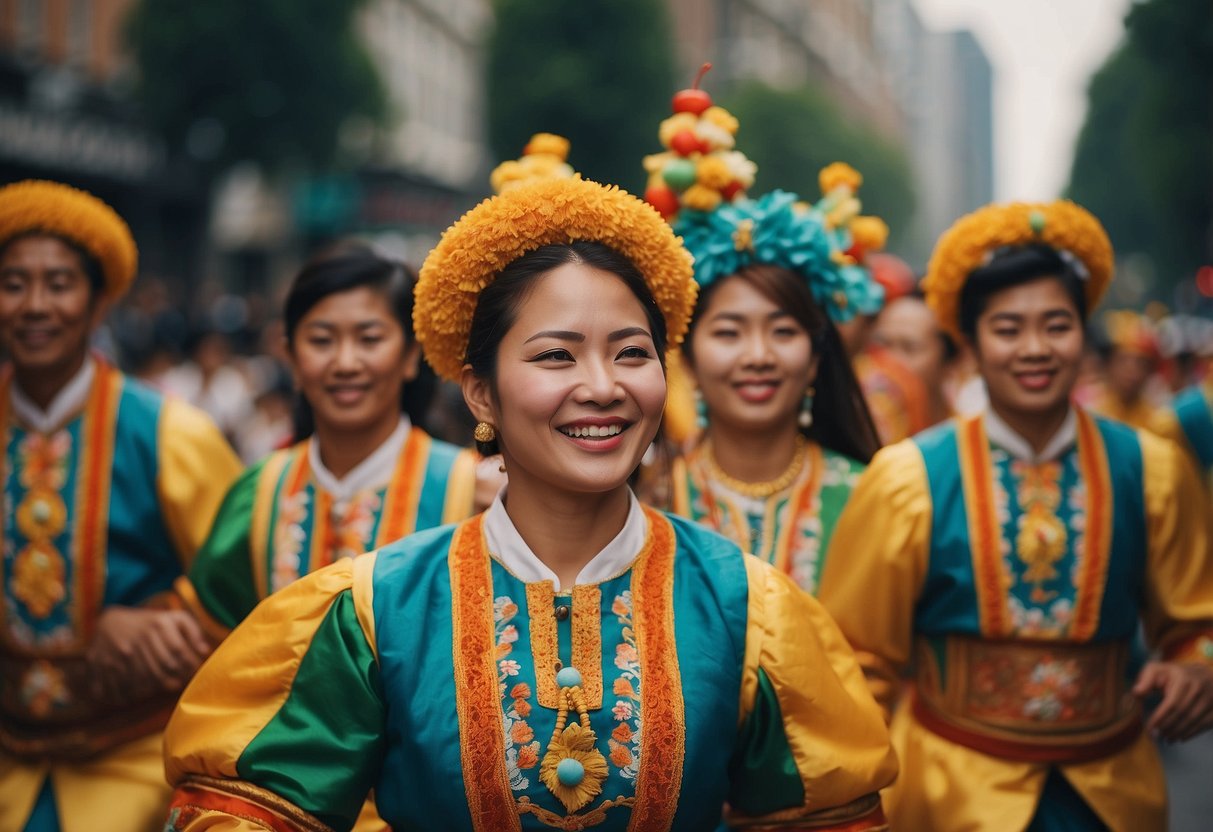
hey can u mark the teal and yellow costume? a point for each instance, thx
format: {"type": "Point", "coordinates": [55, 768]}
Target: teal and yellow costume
{"type": "Point", "coordinates": [452, 676]}
{"type": "Point", "coordinates": [108, 509]}
{"type": "Point", "coordinates": [108, 493]}
{"type": "Point", "coordinates": [1013, 582]}
{"type": "Point", "coordinates": [278, 523]}
{"type": "Point", "coordinates": [1194, 412]}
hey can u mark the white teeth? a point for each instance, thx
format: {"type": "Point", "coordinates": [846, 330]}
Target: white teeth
{"type": "Point", "coordinates": [593, 431]}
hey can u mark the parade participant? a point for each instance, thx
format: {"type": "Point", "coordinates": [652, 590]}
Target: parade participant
{"type": "Point", "coordinates": [897, 397]}
{"type": "Point", "coordinates": [360, 473]}
{"type": "Point", "coordinates": [496, 675]}
{"type": "Point", "coordinates": [1130, 360]}
{"type": "Point", "coordinates": [783, 430]}
{"type": "Point", "coordinates": [1010, 555]}
{"type": "Point", "coordinates": [109, 491]}
{"type": "Point", "coordinates": [907, 330]}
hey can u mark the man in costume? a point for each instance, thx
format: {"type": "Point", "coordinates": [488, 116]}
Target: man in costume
{"type": "Point", "coordinates": [108, 491]}
{"type": "Point", "coordinates": [1010, 556]}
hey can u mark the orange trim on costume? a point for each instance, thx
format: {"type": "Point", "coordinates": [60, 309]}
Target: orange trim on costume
{"type": "Point", "coordinates": [663, 741]}
{"type": "Point", "coordinates": [261, 532]}
{"type": "Point", "coordinates": [545, 644]}
{"type": "Point", "coordinates": [477, 698]}
{"type": "Point", "coordinates": [323, 542]}
{"type": "Point", "coordinates": [94, 471]}
{"type": "Point", "coordinates": [985, 535]}
{"type": "Point", "coordinates": [1097, 546]}
{"type": "Point", "coordinates": [200, 796]}
{"type": "Point", "coordinates": [404, 490]}
{"type": "Point", "coordinates": [803, 501]}
{"type": "Point", "coordinates": [587, 642]}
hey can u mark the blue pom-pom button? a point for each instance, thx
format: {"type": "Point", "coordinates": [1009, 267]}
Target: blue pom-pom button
{"type": "Point", "coordinates": [570, 772]}
{"type": "Point", "coordinates": [568, 677]}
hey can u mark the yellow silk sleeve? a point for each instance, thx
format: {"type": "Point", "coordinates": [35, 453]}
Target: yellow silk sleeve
{"type": "Point", "coordinates": [1179, 563]}
{"type": "Point", "coordinates": [244, 685]}
{"type": "Point", "coordinates": [877, 563]}
{"type": "Point", "coordinates": [461, 488]}
{"type": "Point", "coordinates": [197, 466]}
{"type": "Point", "coordinates": [833, 733]}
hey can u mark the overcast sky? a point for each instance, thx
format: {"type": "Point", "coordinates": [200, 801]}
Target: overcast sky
{"type": "Point", "coordinates": [1043, 52]}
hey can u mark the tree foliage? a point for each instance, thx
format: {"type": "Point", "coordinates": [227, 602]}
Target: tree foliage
{"type": "Point", "coordinates": [792, 134]}
{"type": "Point", "coordinates": [270, 81]}
{"type": "Point", "coordinates": [598, 72]}
{"type": "Point", "coordinates": [1144, 158]}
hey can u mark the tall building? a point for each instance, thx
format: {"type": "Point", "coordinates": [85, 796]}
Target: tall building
{"type": "Point", "coordinates": [944, 85]}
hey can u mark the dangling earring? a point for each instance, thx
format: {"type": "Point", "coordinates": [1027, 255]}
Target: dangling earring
{"type": "Point", "coordinates": [484, 432]}
{"type": "Point", "coordinates": [806, 409]}
{"type": "Point", "coordinates": [701, 411]}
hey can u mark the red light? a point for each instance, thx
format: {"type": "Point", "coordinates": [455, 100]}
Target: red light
{"type": "Point", "coordinates": [1204, 281]}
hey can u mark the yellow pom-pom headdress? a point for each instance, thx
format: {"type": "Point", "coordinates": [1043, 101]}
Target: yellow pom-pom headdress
{"type": "Point", "coordinates": [1129, 331]}
{"type": "Point", "coordinates": [527, 216]}
{"type": "Point", "coordinates": [60, 210]}
{"type": "Point", "coordinates": [974, 239]}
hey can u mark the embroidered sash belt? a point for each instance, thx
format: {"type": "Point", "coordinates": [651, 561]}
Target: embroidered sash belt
{"type": "Point", "coordinates": [1047, 702]}
{"type": "Point", "coordinates": [48, 711]}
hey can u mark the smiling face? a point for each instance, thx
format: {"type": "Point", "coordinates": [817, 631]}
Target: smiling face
{"type": "Point", "coordinates": [1029, 342]}
{"type": "Point", "coordinates": [47, 306]}
{"type": "Point", "coordinates": [752, 360]}
{"type": "Point", "coordinates": [350, 357]}
{"type": "Point", "coordinates": [579, 386]}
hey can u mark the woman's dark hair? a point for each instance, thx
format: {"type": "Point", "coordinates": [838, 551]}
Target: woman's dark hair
{"type": "Point", "coordinates": [341, 269]}
{"type": "Point", "coordinates": [90, 264]}
{"type": "Point", "coordinates": [499, 302]}
{"type": "Point", "coordinates": [841, 421]}
{"type": "Point", "coordinates": [1013, 267]}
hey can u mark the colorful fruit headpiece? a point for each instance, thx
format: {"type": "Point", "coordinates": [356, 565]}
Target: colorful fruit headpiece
{"type": "Point", "coordinates": [699, 184]}
{"type": "Point", "coordinates": [547, 209]}
{"type": "Point", "coordinates": [976, 239]}
{"type": "Point", "coordinates": [39, 206]}
{"type": "Point", "coordinates": [1128, 331]}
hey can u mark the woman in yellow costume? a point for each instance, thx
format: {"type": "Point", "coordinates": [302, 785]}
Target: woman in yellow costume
{"type": "Point", "coordinates": [783, 432]}
{"type": "Point", "coordinates": [569, 658]}
{"type": "Point", "coordinates": [1009, 557]}
{"type": "Point", "coordinates": [109, 490]}
{"type": "Point", "coordinates": [1130, 357]}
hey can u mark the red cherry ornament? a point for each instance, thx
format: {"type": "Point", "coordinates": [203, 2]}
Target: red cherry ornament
{"type": "Point", "coordinates": [662, 198]}
{"type": "Point", "coordinates": [693, 100]}
{"type": "Point", "coordinates": [731, 190]}
{"type": "Point", "coordinates": [685, 142]}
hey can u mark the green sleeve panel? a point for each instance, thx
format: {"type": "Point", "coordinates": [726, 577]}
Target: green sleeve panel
{"type": "Point", "coordinates": [323, 748]}
{"type": "Point", "coordinates": [763, 777]}
{"type": "Point", "coordinates": [222, 571]}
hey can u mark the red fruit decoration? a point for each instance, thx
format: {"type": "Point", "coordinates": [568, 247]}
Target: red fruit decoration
{"type": "Point", "coordinates": [693, 100]}
{"type": "Point", "coordinates": [731, 190]}
{"type": "Point", "coordinates": [685, 142]}
{"type": "Point", "coordinates": [663, 199]}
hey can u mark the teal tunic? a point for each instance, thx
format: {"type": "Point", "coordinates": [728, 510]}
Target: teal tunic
{"type": "Point", "coordinates": [429, 671]}
{"type": "Point", "coordinates": [1194, 410]}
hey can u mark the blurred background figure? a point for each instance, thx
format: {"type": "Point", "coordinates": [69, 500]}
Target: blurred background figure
{"type": "Point", "coordinates": [907, 329]}
{"type": "Point", "coordinates": [1133, 392]}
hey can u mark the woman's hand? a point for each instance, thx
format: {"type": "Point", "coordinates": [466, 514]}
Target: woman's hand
{"type": "Point", "coordinates": [137, 653]}
{"type": "Point", "coordinates": [1186, 708]}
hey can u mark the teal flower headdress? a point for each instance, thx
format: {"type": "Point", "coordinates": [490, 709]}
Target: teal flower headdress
{"type": "Point", "coordinates": [699, 183]}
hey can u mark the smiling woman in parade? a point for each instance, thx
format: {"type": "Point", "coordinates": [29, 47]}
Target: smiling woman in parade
{"type": "Point", "coordinates": [783, 428]}
{"type": "Point", "coordinates": [360, 473]}
{"type": "Point", "coordinates": [569, 658]}
{"type": "Point", "coordinates": [1010, 556]}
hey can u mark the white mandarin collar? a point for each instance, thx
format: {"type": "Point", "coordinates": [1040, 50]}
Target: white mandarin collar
{"type": "Point", "coordinates": [374, 472]}
{"type": "Point", "coordinates": [506, 544]}
{"type": "Point", "coordinates": [67, 402]}
{"type": "Point", "coordinates": [1005, 437]}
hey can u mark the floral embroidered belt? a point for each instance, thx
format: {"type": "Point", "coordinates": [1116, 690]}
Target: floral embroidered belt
{"type": "Point", "coordinates": [47, 711]}
{"type": "Point", "coordinates": [1029, 701]}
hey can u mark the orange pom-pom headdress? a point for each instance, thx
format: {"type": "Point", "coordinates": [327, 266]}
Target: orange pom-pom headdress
{"type": "Point", "coordinates": [974, 239]}
{"type": "Point", "coordinates": [36, 206]}
{"type": "Point", "coordinates": [545, 209]}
